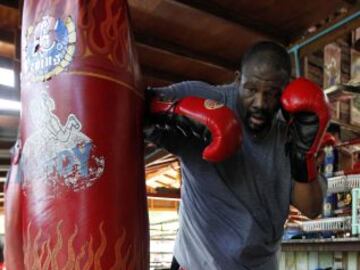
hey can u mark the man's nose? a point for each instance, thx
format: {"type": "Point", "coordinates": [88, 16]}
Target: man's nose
{"type": "Point", "coordinates": [259, 101]}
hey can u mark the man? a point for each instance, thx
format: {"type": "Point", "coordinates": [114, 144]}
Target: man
{"type": "Point", "coordinates": [232, 212]}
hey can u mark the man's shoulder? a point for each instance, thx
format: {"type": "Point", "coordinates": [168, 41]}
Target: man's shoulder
{"type": "Point", "coordinates": [217, 87]}
{"type": "Point", "coordinates": [230, 92]}
{"type": "Point", "coordinates": [228, 87]}
{"type": "Point", "coordinates": [222, 92]}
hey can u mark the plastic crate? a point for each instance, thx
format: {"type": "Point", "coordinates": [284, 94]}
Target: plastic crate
{"type": "Point", "coordinates": [355, 211]}
{"type": "Point", "coordinates": [343, 183]}
{"type": "Point", "coordinates": [337, 184]}
{"type": "Point", "coordinates": [353, 181]}
{"type": "Point", "coordinates": [327, 224]}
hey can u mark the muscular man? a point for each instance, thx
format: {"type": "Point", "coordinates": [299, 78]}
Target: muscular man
{"type": "Point", "coordinates": [232, 212]}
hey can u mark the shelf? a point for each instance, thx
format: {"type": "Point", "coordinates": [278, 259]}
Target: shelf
{"type": "Point", "coordinates": [343, 183]}
{"type": "Point", "coordinates": [352, 87]}
{"type": "Point", "coordinates": [327, 224]}
{"type": "Point", "coordinates": [336, 244]}
{"type": "Point", "coordinates": [347, 126]}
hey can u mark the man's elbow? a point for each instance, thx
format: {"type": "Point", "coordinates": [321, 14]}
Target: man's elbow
{"type": "Point", "coordinates": [312, 210]}
{"type": "Point", "coordinates": [312, 214]}
{"type": "Point", "coordinates": [308, 198]}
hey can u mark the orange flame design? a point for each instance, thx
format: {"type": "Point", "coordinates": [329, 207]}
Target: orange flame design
{"type": "Point", "coordinates": [39, 254]}
{"type": "Point", "coordinates": [103, 27]}
{"type": "Point", "coordinates": [106, 36]}
{"type": "Point", "coordinates": [103, 37]}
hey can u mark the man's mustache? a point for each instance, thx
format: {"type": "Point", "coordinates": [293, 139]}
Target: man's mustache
{"type": "Point", "coordinates": [259, 113]}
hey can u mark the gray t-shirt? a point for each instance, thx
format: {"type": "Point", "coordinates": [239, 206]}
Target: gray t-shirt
{"type": "Point", "coordinates": [232, 213]}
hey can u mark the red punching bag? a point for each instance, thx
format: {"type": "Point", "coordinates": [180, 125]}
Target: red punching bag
{"type": "Point", "coordinates": [13, 212]}
{"type": "Point", "coordinates": [83, 190]}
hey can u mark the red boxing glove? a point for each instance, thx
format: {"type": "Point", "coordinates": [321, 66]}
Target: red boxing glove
{"type": "Point", "coordinates": [222, 123]}
{"type": "Point", "coordinates": [306, 107]}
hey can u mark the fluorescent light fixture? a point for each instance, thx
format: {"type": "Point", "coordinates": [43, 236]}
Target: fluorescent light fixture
{"type": "Point", "coordinates": [9, 105]}
{"type": "Point", "coordinates": [7, 77]}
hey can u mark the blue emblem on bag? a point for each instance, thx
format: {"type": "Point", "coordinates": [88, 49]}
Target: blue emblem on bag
{"type": "Point", "coordinates": [50, 47]}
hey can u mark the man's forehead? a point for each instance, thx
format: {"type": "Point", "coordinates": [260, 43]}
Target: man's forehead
{"type": "Point", "coordinates": [264, 72]}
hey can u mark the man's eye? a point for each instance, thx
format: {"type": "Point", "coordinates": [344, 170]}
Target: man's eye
{"type": "Point", "coordinates": [250, 91]}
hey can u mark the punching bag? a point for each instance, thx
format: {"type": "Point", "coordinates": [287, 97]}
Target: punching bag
{"type": "Point", "coordinates": [13, 212]}
{"type": "Point", "coordinates": [83, 190]}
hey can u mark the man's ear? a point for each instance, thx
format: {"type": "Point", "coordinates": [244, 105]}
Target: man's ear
{"type": "Point", "coordinates": [237, 76]}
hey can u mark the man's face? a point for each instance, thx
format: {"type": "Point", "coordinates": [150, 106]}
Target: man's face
{"type": "Point", "coordinates": [260, 90]}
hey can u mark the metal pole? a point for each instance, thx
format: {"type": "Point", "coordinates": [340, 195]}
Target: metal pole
{"type": "Point", "coordinates": [296, 48]}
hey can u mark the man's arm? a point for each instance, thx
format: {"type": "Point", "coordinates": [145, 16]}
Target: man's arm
{"type": "Point", "coordinates": [308, 115]}
{"type": "Point", "coordinates": [173, 140]}
{"type": "Point", "coordinates": [186, 115]}
{"type": "Point", "coordinates": [308, 197]}
{"type": "Point", "coordinates": [186, 89]}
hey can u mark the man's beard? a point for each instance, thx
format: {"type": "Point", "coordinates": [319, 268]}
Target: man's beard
{"type": "Point", "coordinates": [258, 121]}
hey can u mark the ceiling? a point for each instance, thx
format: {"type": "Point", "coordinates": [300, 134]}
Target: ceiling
{"type": "Point", "coordinates": [190, 40]}
{"type": "Point", "coordinates": [193, 39]}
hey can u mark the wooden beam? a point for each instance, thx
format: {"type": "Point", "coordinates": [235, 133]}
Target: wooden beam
{"type": "Point", "coordinates": [154, 82]}
{"type": "Point", "coordinates": [171, 177]}
{"type": "Point", "coordinates": [164, 160]}
{"type": "Point", "coordinates": [10, 93]}
{"type": "Point", "coordinates": [182, 66]}
{"type": "Point", "coordinates": [227, 14]}
{"type": "Point", "coordinates": [8, 122]}
{"type": "Point", "coordinates": [164, 196]}
{"type": "Point", "coordinates": [347, 126]}
{"type": "Point", "coordinates": [165, 185]}
{"type": "Point", "coordinates": [351, 2]}
{"type": "Point", "coordinates": [328, 38]}
{"type": "Point", "coordinates": [193, 29]}
{"type": "Point", "coordinates": [145, 39]}
{"type": "Point", "coordinates": [10, 3]}
{"type": "Point", "coordinates": [155, 155]}
{"type": "Point", "coordinates": [7, 36]}
{"type": "Point", "coordinates": [7, 50]}
{"type": "Point", "coordinates": [4, 168]}
{"type": "Point", "coordinates": [5, 144]}
{"type": "Point", "coordinates": [6, 62]}
{"type": "Point", "coordinates": [161, 168]}
{"type": "Point", "coordinates": [161, 74]}
{"type": "Point", "coordinates": [163, 204]}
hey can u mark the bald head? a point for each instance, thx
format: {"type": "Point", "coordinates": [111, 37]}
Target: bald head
{"type": "Point", "coordinates": [267, 55]}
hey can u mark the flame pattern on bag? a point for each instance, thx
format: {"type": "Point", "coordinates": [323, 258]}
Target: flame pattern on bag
{"type": "Point", "coordinates": [43, 254]}
{"type": "Point", "coordinates": [103, 37]}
